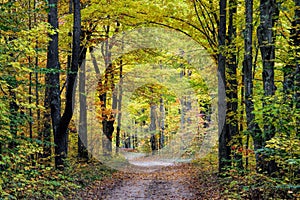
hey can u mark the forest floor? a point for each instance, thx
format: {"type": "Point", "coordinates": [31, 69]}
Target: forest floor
{"type": "Point", "coordinates": [152, 179]}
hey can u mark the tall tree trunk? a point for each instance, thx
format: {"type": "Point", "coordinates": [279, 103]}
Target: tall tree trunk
{"type": "Point", "coordinates": [232, 86]}
{"type": "Point", "coordinates": [37, 85]}
{"type": "Point", "coordinates": [82, 134]}
{"type": "Point", "coordinates": [107, 122]}
{"type": "Point", "coordinates": [242, 109]}
{"type": "Point", "coordinates": [152, 128]}
{"type": "Point", "coordinates": [61, 138]}
{"type": "Point", "coordinates": [290, 70]}
{"type": "Point", "coordinates": [52, 96]}
{"type": "Point", "coordinates": [162, 124]}
{"type": "Point", "coordinates": [30, 76]}
{"type": "Point", "coordinates": [266, 38]}
{"type": "Point", "coordinates": [46, 132]}
{"type": "Point", "coordinates": [93, 137]}
{"type": "Point", "coordinates": [119, 106]}
{"type": "Point", "coordinates": [37, 98]}
{"type": "Point", "coordinates": [30, 84]}
{"type": "Point", "coordinates": [224, 150]}
{"type": "Point", "coordinates": [30, 101]}
{"type": "Point", "coordinates": [296, 43]}
{"type": "Point", "coordinates": [13, 110]}
{"type": "Point", "coordinates": [108, 119]}
{"type": "Point", "coordinates": [252, 126]}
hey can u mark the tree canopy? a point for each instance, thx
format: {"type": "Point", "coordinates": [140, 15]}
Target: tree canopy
{"type": "Point", "coordinates": [211, 82]}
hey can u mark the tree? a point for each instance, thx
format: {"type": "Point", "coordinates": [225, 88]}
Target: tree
{"type": "Point", "coordinates": [224, 150]}
{"type": "Point", "coordinates": [52, 81]}
{"type": "Point", "coordinates": [120, 102]}
{"type": "Point", "coordinates": [61, 138]}
{"type": "Point", "coordinates": [152, 127]}
{"type": "Point", "coordinates": [107, 117]}
{"type": "Point", "coordinates": [295, 33]}
{"type": "Point", "coordinates": [269, 13]}
{"type": "Point", "coordinates": [162, 123]}
{"type": "Point", "coordinates": [252, 126]}
{"type": "Point", "coordinates": [232, 86]}
{"type": "Point", "coordinates": [82, 134]}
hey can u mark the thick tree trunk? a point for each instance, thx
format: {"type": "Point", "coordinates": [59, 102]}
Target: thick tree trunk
{"type": "Point", "coordinates": [296, 43]}
{"type": "Point", "coordinates": [119, 107]}
{"type": "Point", "coordinates": [232, 87]}
{"type": "Point", "coordinates": [108, 119]}
{"type": "Point", "coordinates": [252, 126]}
{"type": "Point", "coordinates": [46, 132]}
{"type": "Point", "coordinates": [61, 138]}
{"type": "Point", "coordinates": [224, 150]}
{"type": "Point", "coordinates": [291, 70]}
{"type": "Point", "coordinates": [82, 134]}
{"type": "Point", "coordinates": [37, 98]}
{"type": "Point", "coordinates": [13, 110]}
{"type": "Point", "coordinates": [152, 128]}
{"type": "Point", "coordinates": [97, 143]}
{"type": "Point", "coordinates": [107, 125]}
{"type": "Point", "coordinates": [266, 38]}
{"type": "Point", "coordinates": [30, 102]}
{"type": "Point", "coordinates": [162, 124]}
{"type": "Point", "coordinates": [52, 96]}
{"type": "Point", "coordinates": [37, 87]}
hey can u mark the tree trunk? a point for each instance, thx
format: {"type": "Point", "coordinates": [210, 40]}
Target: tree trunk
{"type": "Point", "coordinates": [152, 128]}
{"type": "Point", "coordinates": [82, 134]}
{"type": "Point", "coordinates": [232, 87]}
{"type": "Point", "coordinates": [47, 121]}
{"type": "Point", "coordinates": [266, 38]}
{"type": "Point", "coordinates": [96, 144]}
{"type": "Point", "coordinates": [224, 150]}
{"type": "Point", "coordinates": [252, 126]}
{"type": "Point", "coordinates": [52, 96]}
{"type": "Point", "coordinates": [296, 43]}
{"type": "Point", "coordinates": [61, 138]}
{"type": "Point", "coordinates": [106, 125]}
{"type": "Point", "coordinates": [119, 107]}
{"type": "Point", "coordinates": [37, 99]}
{"type": "Point", "coordinates": [37, 85]}
{"type": "Point", "coordinates": [13, 110]}
{"type": "Point", "coordinates": [162, 124]}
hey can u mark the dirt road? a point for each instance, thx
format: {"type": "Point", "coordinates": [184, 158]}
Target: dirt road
{"type": "Point", "coordinates": [177, 181]}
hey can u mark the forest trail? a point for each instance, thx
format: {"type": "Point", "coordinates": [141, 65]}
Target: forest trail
{"type": "Point", "coordinates": [175, 181]}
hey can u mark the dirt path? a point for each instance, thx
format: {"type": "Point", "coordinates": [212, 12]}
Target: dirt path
{"type": "Point", "coordinates": [167, 183]}
{"type": "Point", "coordinates": [178, 181]}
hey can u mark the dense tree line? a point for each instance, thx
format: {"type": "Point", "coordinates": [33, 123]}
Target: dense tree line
{"type": "Point", "coordinates": [44, 45]}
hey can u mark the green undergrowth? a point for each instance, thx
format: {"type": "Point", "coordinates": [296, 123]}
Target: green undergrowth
{"type": "Point", "coordinates": [252, 185]}
{"type": "Point", "coordinates": [243, 184]}
{"type": "Point", "coordinates": [42, 182]}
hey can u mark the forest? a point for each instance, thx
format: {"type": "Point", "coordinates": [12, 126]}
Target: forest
{"type": "Point", "coordinates": [169, 99]}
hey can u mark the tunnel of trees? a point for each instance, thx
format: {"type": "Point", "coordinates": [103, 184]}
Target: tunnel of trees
{"type": "Point", "coordinates": [49, 48]}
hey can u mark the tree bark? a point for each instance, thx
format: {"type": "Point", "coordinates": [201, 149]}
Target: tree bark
{"type": "Point", "coordinates": [252, 126]}
{"type": "Point", "coordinates": [82, 134]}
{"type": "Point", "coordinates": [52, 96]}
{"type": "Point", "coordinates": [107, 122]}
{"type": "Point", "coordinates": [296, 43]}
{"type": "Point", "coordinates": [266, 38]}
{"type": "Point", "coordinates": [119, 107]}
{"type": "Point", "coordinates": [61, 138]}
{"type": "Point", "coordinates": [224, 150]}
{"type": "Point", "coordinates": [152, 128]}
{"type": "Point", "coordinates": [162, 124]}
{"type": "Point", "coordinates": [13, 110]}
{"type": "Point", "coordinates": [232, 87]}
